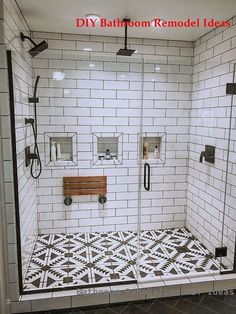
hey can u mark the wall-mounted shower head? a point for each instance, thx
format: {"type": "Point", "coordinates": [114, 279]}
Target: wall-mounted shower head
{"type": "Point", "coordinates": [125, 52]}
{"type": "Point", "coordinates": [37, 47]}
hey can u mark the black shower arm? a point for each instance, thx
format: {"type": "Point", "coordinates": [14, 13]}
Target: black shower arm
{"type": "Point", "coordinates": [126, 31]}
{"type": "Point", "coordinates": [23, 37]}
{"type": "Point", "coordinates": [126, 36]}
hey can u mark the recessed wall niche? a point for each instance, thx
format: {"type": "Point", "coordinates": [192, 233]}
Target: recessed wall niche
{"type": "Point", "coordinates": [107, 148]}
{"type": "Point", "coordinates": [60, 149]}
{"type": "Point", "coordinates": [153, 147]}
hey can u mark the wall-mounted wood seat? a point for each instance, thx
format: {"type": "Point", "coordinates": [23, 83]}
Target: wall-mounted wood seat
{"type": "Point", "coordinates": [95, 185]}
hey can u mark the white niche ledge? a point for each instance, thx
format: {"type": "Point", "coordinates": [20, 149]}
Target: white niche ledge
{"type": "Point", "coordinates": [107, 142]}
{"type": "Point", "coordinates": [68, 145]}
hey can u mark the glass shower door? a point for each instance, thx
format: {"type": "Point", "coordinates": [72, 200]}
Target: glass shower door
{"type": "Point", "coordinates": [173, 212]}
{"type": "Point", "coordinates": [155, 190]}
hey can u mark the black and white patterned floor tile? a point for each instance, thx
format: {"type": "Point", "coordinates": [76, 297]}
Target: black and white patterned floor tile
{"type": "Point", "coordinates": [62, 260]}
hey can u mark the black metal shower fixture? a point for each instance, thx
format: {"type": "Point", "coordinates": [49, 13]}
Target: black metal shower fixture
{"type": "Point", "coordinates": [208, 154]}
{"type": "Point", "coordinates": [37, 47]}
{"type": "Point", "coordinates": [125, 52]}
{"type": "Point", "coordinates": [33, 159]}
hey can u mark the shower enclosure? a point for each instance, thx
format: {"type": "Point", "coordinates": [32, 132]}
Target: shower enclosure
{"type": "Point", "coordinates": [124, 128]}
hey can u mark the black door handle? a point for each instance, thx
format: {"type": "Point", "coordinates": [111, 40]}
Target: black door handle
{"type": "Point", "coordinates": [146, 182]}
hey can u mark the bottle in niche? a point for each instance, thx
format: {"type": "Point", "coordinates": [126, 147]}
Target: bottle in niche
{"type": "Point", "coordinates": [53, 152]}
{"type": "Point", "coordinates": [100, 156]}
{"type": "Point", "coordinates": [156, 152]}
{"type": "Point", "coordinates": [113, 156]}
{"type": "Point", "coordinates": [108, 154]}
{"type": "Point", "coordinates": [145, 150]}
{"type": "Point", "coordinates": [58, 151]}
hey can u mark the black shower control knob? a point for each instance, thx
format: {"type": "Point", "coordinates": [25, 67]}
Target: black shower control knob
{"type": "Point", "coordinates": [68, 200]}
{"type": "Point", "coordinates": [102, 199]}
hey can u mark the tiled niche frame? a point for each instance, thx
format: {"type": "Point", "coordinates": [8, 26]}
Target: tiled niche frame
{"type": "Point", "coordinates": [162, 155]}
{"type": "Point", "coordinates": [119, 158]}
{"type": "Point", "coordinates": [47, 149]}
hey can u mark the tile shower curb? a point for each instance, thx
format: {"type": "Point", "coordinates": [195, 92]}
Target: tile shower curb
{"type": "Point", "coordinates": [118, 294]}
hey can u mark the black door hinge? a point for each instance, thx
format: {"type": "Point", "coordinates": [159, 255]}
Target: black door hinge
{"type": "Point", "coordinates": [221, 251]}
{"type": "Point", "coordinates": [231, 88]}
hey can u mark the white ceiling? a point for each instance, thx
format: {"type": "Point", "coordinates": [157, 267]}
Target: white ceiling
{"type": "Point", "coordinates": [60, 15]}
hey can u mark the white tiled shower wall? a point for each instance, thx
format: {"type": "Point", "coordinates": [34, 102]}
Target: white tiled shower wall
{"type": "Point", "coordinates": [214, 56]}
{"type": "Point", "coordinates": [22, 80]}
{"type": "Point", "coordinates": [102, 94]}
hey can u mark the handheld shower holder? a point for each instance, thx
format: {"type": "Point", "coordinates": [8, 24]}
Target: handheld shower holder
{"type": "Point", "coordinates": [29, 121]}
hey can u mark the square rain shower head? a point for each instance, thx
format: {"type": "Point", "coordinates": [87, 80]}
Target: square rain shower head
{"type": "Point", "coordinates": [125, 52]}
{"type": "Point", "coordinates": [38, 48]}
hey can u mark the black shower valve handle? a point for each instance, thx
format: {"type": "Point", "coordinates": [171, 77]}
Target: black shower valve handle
{"type": "Point", "coordinates": [203, 154]}
{"type": "Point", "coordinates": [32, 156]}
{"type": "Point", "coordinates": [29, 156]}
{"type": "Point", "coordinates": [208, 154]}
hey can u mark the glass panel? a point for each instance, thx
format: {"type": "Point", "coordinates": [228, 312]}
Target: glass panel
{"type": "Point", "coordinates": [93, 112]}
{"type": "Point", "coordinates": [228, 263]}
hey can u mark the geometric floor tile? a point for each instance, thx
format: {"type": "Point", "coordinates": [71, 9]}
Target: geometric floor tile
{"type": "Point", "coordinates": [83, 259]}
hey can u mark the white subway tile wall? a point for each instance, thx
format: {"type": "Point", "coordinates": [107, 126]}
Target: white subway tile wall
{"type": "Point", "coordinates": [214, 57]}
{"type": "Point", "coordinates": [22, 79]}
{"type": "Point", "coordinates": [104, 94]}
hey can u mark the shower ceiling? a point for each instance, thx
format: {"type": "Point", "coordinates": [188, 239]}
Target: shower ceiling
{"type": "Point", "coordinates": [60, 16]}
